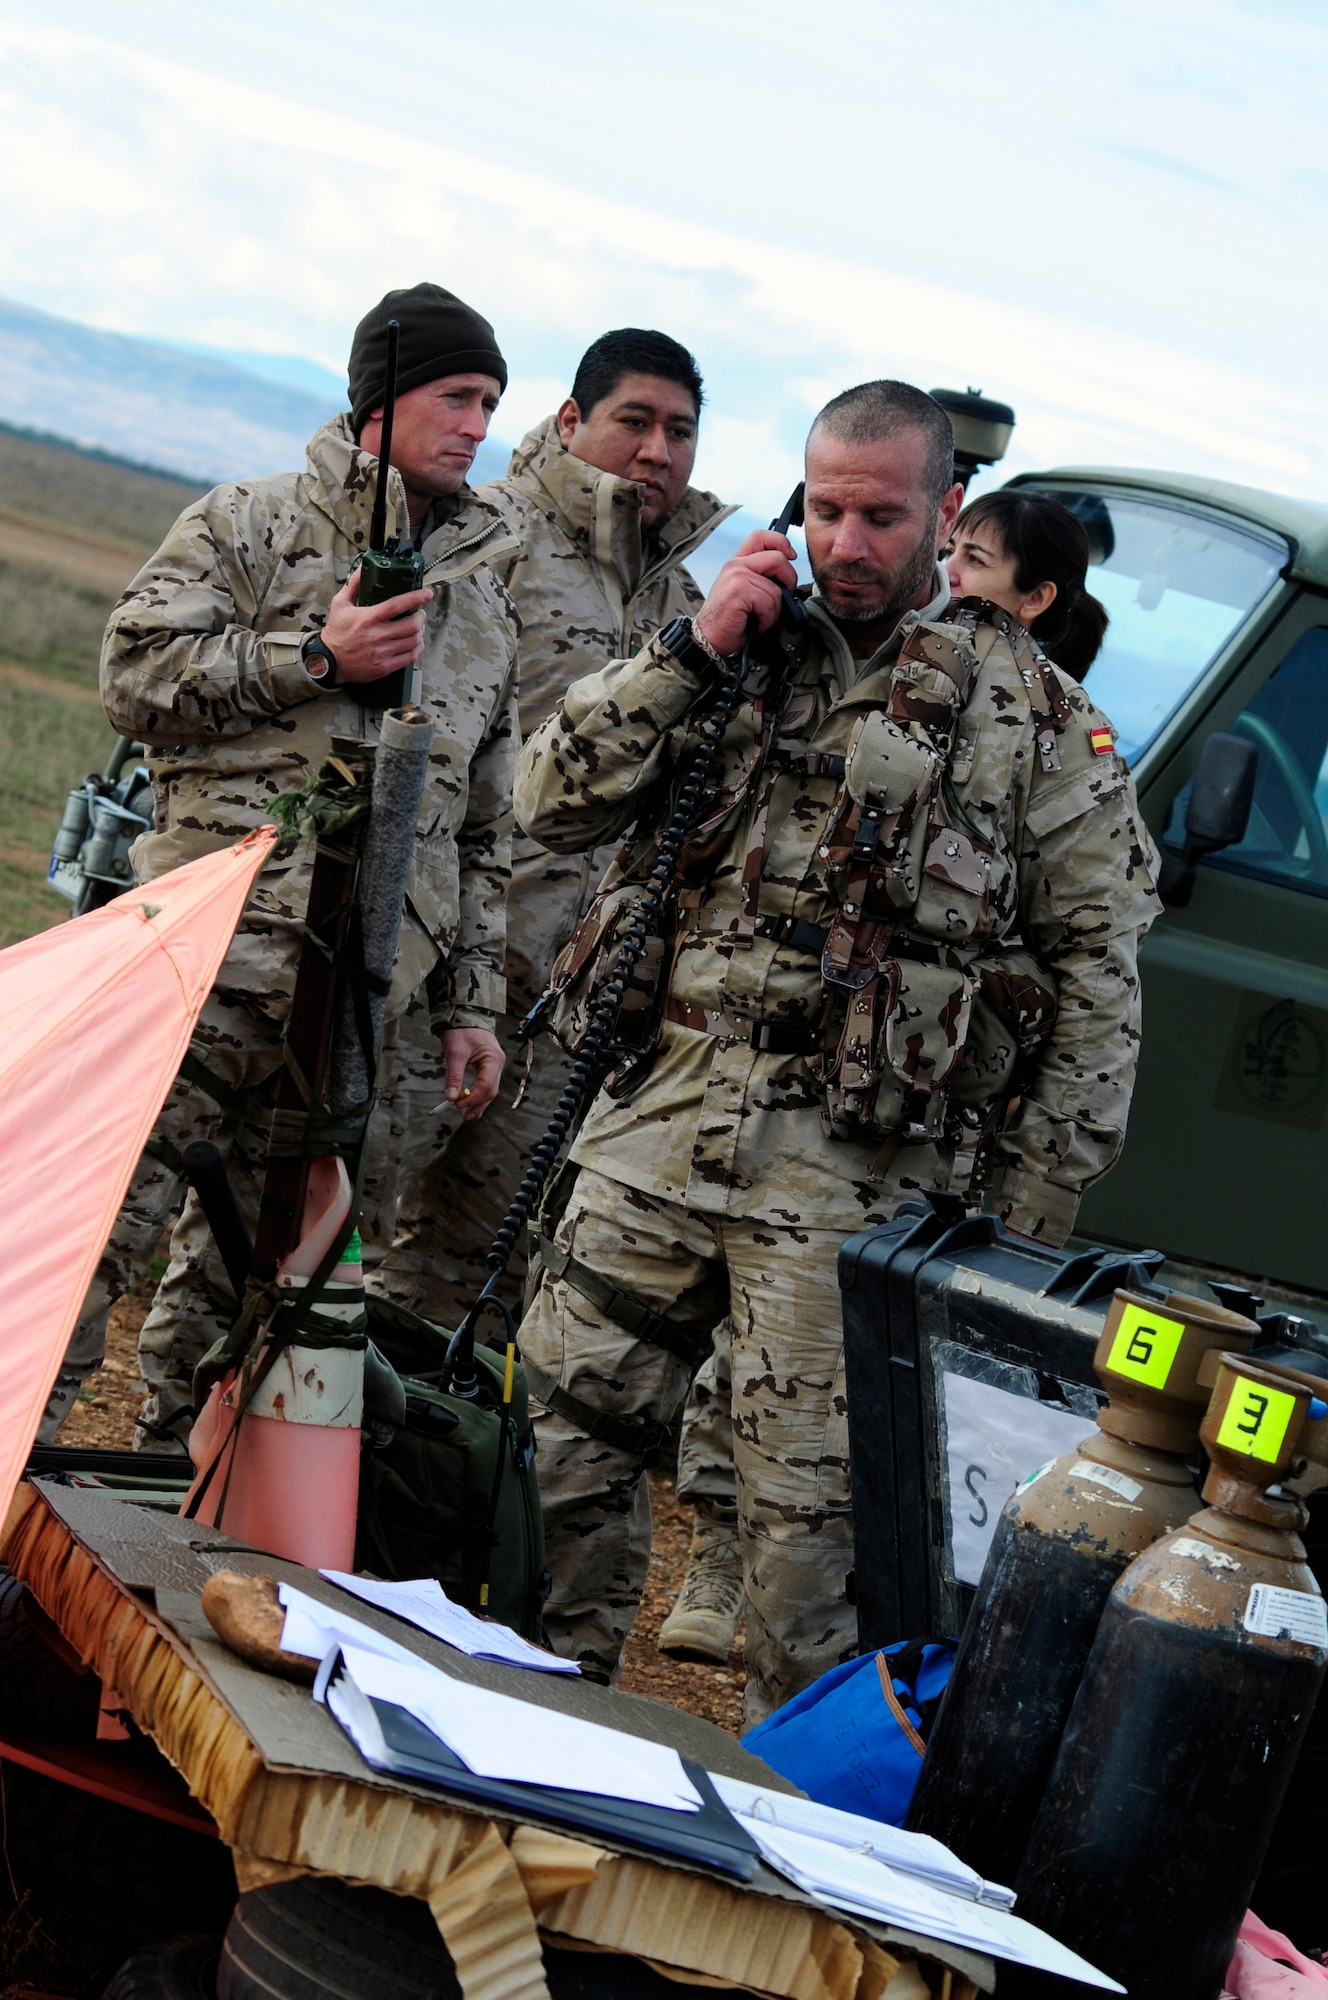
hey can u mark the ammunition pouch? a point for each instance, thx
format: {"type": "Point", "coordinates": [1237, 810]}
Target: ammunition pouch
{"type": "Point", "coordinates": [874, 846]}
{"type": "Point", "coordinates": [931, 1031]}
{"type": "Point", "coordinates": [585, 965]}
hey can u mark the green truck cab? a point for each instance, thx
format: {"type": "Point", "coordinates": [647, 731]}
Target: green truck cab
{"type": "Point", "coordinates": [1218, 598]}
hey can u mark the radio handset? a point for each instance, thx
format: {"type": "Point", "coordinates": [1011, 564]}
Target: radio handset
{"type": "Point", "coordinates": [795, 611]}
{"type": "Point", "coordinates": [388, 567]}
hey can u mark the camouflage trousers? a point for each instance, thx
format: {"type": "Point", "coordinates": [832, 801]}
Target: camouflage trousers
{"type": "Point", "coordinates": [449, 1214]}
{"type": "Point", "coordinates": [789, 1426]}
{"type": "Point", "coordinates": [229, 1098]}
{"type": "Point", "coordinates": [706, 1478]}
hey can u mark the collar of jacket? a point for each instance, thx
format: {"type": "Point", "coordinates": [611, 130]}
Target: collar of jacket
{"type": "Point", "coordinates": [863, 679]}
{"type": "Point", "coordinates": [602, 513]}
{"type": "Point", "coordinates": [343, 479]}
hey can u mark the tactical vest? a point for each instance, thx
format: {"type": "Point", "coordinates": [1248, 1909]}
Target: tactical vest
{"type": "Point", "coordinates": [927, 1021]}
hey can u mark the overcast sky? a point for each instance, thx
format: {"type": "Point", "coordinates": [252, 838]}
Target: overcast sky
{"type": "Point", "coordinates": [1110, 213]}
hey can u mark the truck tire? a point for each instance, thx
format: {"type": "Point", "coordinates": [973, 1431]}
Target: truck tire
{"type": "Point", "coordinates": [316, 1938]}
{"type": "Point", "coordinates": [181, 1969]}
{"type": "Point", "coordinates": [37, 1690]}
{"type": "Point", "coordinates": [319, 1939]}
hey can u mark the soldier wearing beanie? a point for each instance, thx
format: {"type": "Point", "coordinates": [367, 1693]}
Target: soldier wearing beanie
{"type": "Point", "coordinates": [232, 657]}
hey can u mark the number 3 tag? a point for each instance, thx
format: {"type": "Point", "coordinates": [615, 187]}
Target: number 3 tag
{"type": "Point", "coordinates": [1257, 1420]}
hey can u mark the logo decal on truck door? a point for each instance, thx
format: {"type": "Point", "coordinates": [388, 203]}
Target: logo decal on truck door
{"type": "Point", "coordinates": [1276, 1064]}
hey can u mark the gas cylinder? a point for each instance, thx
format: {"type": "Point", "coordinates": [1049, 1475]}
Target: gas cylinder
{"type": "Point", "coordinates": [1063, 1539]}
{"type": "Point", "coordinates": [1190, 1714]}
{"type": "Point", "coordinates": [288, 1478]}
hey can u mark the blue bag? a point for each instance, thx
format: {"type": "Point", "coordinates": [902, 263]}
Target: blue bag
{"type": "Point", "coordinates": [855, 1738]}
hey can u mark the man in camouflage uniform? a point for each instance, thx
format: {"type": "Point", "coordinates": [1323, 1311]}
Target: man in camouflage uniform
{"type": "Point", "coordinates": [598, 495]}
{"type": "Point", "coordinates": [917, 888]}
{"type": "Point", "coordinates": [234, 656]}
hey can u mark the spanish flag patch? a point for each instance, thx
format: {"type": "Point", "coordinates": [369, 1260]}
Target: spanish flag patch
{"type": "Point", "coordinates": [1102, 741]}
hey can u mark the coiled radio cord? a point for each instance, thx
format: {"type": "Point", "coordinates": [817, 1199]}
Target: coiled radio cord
{"type": "Point", "coordinates": [593, 1058]}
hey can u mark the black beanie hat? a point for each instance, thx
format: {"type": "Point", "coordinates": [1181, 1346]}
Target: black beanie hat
{"type": "Point", "coordinates": [439, 336]}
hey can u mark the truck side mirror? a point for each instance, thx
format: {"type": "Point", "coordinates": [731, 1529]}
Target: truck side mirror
{"type": "Point", "coordinates": [1217, 815]}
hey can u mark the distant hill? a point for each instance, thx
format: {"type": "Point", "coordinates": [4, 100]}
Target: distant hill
{"type": "Point", "coordinates": [184, 411]}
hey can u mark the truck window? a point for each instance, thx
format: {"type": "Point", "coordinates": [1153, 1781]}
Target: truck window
{"type": "Point", "coordinates": [1287, 720]}
{"type": "Point", "coordinates": [1176, 583]}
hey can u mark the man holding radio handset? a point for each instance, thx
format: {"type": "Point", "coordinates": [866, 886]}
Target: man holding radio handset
{"type": "Point", "coordinates": [914, 893]}
{"type": "Point", "coordinates": [237, 655]}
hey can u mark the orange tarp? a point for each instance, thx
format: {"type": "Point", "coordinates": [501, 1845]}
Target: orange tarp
{"type": "Point", "coordinates": [95, 1017]}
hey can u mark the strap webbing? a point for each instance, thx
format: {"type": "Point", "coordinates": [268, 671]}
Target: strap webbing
{"type": "Point", "coordinates": [688, 1342]}
{"type": "Point", "coordinates": [640, 1436]}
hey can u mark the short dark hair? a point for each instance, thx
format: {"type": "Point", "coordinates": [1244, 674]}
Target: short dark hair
{"type": "Point", "coordinates": [1047, 544]}
{"type": "Point", "coordinates": [884, 409]}
{"type": "Point", "coordinates": [632, 350]}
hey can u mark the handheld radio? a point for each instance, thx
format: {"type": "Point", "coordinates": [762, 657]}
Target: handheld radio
{"type": "Point", "coordinates": [389, 567]}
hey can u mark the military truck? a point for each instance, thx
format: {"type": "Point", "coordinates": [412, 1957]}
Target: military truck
{"type": "Point", "coordinates": [1218, 597]}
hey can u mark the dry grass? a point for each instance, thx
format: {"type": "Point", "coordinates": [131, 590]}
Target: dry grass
{"type": "Point", "coordinates": [76, 490]}
{"type": "Point", "coordinates": [51, 734]}
{"type": "Point", "coordinates": [73, 530]}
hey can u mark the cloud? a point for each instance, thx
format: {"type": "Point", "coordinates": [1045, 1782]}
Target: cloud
{"type": "Point", "coordinates": [169, 200]}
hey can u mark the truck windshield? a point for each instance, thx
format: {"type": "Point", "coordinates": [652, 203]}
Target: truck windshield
{"type": "Point", "coordinates": [1176, 583]}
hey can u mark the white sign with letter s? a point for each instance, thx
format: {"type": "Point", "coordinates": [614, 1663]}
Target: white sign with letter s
{"type": "Point", "coordinates": [993, 1441]}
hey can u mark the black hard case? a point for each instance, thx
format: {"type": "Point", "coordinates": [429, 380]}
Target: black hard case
{"type": "Point", "coordinates": [939, 1289]}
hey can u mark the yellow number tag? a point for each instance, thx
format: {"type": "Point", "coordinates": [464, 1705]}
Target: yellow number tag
{"type": "Point", "coordinates": [1257, 1420]}
{"type": "Point", "coordinates": [1145, 1346]}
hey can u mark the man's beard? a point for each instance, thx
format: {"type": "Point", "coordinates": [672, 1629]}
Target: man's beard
{"type": "Point", "coordinates": [899, 592]}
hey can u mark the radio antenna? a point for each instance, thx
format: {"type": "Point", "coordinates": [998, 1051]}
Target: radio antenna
{"type": "Point", "coordinates": [378, 523]}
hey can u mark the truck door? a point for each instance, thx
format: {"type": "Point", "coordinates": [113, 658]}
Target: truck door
{"type": "Point", "coordinates": [1226, 1161]}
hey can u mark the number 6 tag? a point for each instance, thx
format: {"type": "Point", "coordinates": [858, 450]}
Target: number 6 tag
{"type": "Point", "coordinates": [1145, 1346]}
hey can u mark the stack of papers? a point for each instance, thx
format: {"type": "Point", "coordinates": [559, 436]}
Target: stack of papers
{"type": "Point", "coordinates": [496, 1736]}
{"type": "Point", "coordinates": [841, 1873]}
{"type": "Point", "coordinates": [425, 1603]}
{"type": "Point", "coordinates": [911, 1853]}
{"type": "Point", "coordinates": [314, 1630]}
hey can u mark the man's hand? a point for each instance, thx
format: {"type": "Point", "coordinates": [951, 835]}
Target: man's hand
{"type": "Point", "coordinates": [472, 1050]}
{"type": "Point", "coordinates": [746, 587]}
{"type": "Point", "coordinates": [378, 640]}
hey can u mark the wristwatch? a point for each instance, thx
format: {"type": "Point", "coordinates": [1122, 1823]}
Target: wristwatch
{"type": "Point", "coordinates": [319, 660]}
{"type": "Point", "coordinates": [690, 649]}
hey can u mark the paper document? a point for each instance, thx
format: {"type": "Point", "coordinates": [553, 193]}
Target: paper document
{"type": "Point", "coordinates": [497, 1736]}
{"type": "Point", "coordinates": [425, 1603]}
{"type": "Point", "coordinates": [912, 1853]}
{"type": "Point", "coordinates": [313, 1630]}
{"type": "Point", "coordinates": [863, 1886]}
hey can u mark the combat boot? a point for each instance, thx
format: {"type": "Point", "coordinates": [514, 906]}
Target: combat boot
{"type": "Point", "coordinates": [704, 1621]}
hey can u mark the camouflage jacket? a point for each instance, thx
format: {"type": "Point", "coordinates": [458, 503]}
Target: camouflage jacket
{"type": "Point", "coordinates": [201, 662]}
{"type": "Point", "coordinates": [589, 586]}
{"type": "Point", "coordinates": [731, 1130]}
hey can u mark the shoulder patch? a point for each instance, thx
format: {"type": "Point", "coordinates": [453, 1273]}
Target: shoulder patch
{"type": "Point", "coordinates": [1102, 741]}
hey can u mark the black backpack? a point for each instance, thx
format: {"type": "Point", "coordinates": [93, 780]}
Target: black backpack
{"type": "Point", "coordinates": [427, 1480]}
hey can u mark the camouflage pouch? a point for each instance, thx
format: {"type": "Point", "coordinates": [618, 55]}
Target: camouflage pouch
{"type": "Point", "coordinates": [901, 1041]}
{"type": "Point", "coordinates": [874, 845]}
{"type": "Point", "coordinates": [955, 897]}
{"type": "Point", "coordinates": [585, 964]}
{"type": "Point", "coordinates": [1014, 1013]}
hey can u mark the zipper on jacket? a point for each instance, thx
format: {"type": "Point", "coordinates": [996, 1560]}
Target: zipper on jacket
{"type": "Point", "coordinates": [461, 548]}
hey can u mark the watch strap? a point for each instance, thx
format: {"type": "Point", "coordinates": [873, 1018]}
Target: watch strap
{"type": "Point", "coordinates": [316, 647]}
{"type": "Point", "coordinates": [681, 638]}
